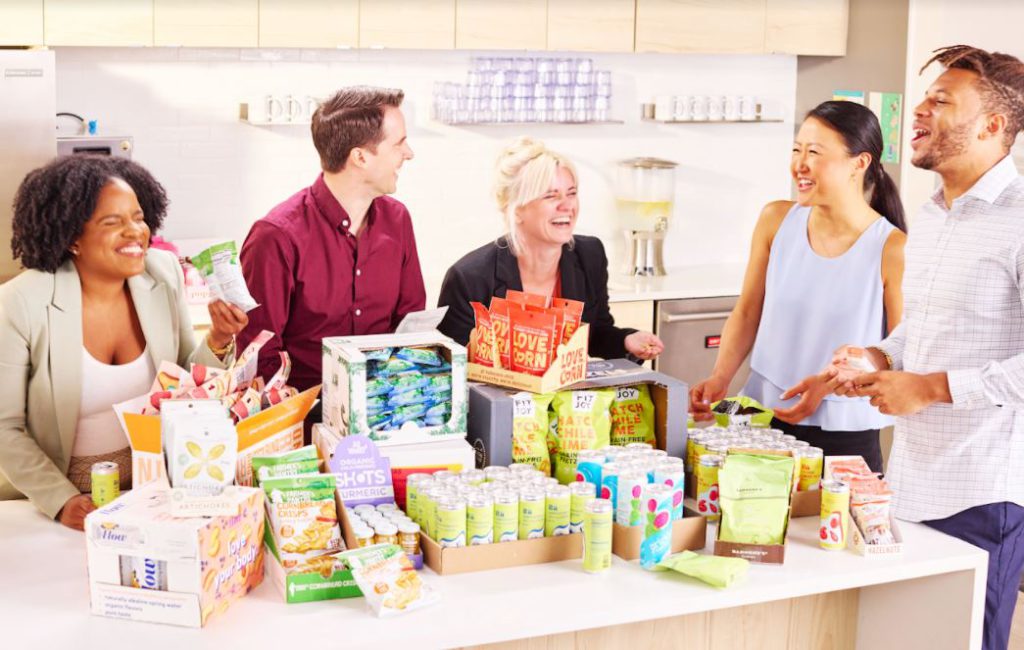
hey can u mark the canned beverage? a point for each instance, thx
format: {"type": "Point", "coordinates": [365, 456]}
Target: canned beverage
{"type": "Point", "coordinates": [364, 509]}
{"type": "Point", "coordinates": [473, 476]}
{"type": "Point", "coordinates": [707, 486]}
{"type": "Point", "coordinates": [532, 504]}
{"type": "Point", "coordinates": [597, 536]}
{"type": "Point", "coordinates": [691, 443]}
{"type": "Point", "coordinates": [516, 468]}
{"type": "Point", "coordinates": [496, 473]}
{"type": "Point", "coordinates": [629, 510]}
{"type": "Point", "coordinates": [611, 452]}
{"type": "Point", "coordinates": [610, 483]}
{"type": "Point", "coordinates": [480, 519]}
{"type": "Point", "coordinates": [413, 483]}
{"type": "Point", "coordinates": [812, 462]}
{"type": "Point", "coordinates": [451, 522]}
{"type": "Point", "coordinates": [385, 508]}
{"type": "Point", "coordinates": [557, 503]}
{"type": "Point", "coordinates": [385, 534]}
{"type": "Point", "coordinates": [428, 509]}
{"type": "Point", "coordinates": [580, 494]}
{"type": "Point", "coordinates": [106, 483]}
{"type": "Point", "coordinates": [657, 509]}
{"type": "Point", "coordinates": [506, 516]}
{"type": "Point", "coordinates": [670, 472]}
{"type": "Point", "coordinates": [443, 474]}
{"type": "Point", "coordinates": [787, 438]}
{"type": "Point", "coordinates": [639, 445]}
{"type": "Point", "coordinates": [393, 515]}
{"type": "Point", "coordinates": [588, 465]}
{"type": "Point", "coordinates": [409, 538]}
{"type": "Point", "coordinates": [700, 447]}
{"type": "Point", "coordinates": [364, 537]}
{"type": "Point", "coordinates": [835, 515]}
{"type": "Point", "coordinates": [718, 448]}
{"type": "Point", "coordinates": [143, 573]}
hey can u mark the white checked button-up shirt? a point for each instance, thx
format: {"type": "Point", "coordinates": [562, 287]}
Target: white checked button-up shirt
{"type": "Point", "coordinates": [963, 289]}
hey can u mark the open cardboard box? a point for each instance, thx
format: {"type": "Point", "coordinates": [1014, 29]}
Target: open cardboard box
{"type": "Point", "coordinates": [500, 555]}
{"type": "Point", "coordinates": [762, 553]}
{"type": "Point", "coordinates": [688, 534]}
{"type": "Point", "coordinates": [568, 367]}
{"type": "Point", "coordinates": [876, 550]}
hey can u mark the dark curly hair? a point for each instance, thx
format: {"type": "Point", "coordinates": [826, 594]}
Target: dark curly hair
{"type": "Point", "coordinates": [54, 202]}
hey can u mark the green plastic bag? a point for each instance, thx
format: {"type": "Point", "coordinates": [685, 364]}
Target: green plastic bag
{"type": "Point", "coordinates": [632, 413]}
{"type": "Point", "coordinates": [583, 422]}
{"type": "Point", "coordinates": [717, 571]}
{"type": "Point", "coordinates": [753, 492]}
{"type": "Point", "coordinates": [742, 410]}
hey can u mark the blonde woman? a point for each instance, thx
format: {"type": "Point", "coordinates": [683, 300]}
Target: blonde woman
{"type": "Point", "coordinates": [535, 190]}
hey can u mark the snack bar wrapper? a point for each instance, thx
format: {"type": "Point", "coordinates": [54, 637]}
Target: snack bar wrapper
{"type": "Point", "coordinates": [222, 271]}
{"type": "Point", "coordinates": [388, 580]}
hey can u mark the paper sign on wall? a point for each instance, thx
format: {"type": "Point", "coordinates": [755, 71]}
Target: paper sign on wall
{"type": "Point", "coordinates": [855, 96]}
{"type": "Point", "coordinates": [361, 474]}
{"type": "Point", "coordinates": [889, 109]}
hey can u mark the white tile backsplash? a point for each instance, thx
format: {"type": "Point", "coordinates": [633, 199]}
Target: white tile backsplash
{"type": "Point", "coordinates": [181, 106]}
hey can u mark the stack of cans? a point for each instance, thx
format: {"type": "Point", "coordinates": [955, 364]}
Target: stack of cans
{"type": "Point", "coordinates": [720, 441]}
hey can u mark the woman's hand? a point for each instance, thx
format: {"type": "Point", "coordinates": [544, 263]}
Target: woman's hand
{"type": "Point", "coordinates": [704, 394]}
{"type": "Point", "coordinates": [812, 390]}
{"type": "Point", "coordinates": [225, 322]}
{"type": "Point", "coordinates": [644, 345]}
{"type": "Point", "coordinates": [74, 511]}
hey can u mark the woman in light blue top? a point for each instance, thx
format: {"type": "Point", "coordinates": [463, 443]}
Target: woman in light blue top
{"type": "Point", "coordinates": [823, 271]}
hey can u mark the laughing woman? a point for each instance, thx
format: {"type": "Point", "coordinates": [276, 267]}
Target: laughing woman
{"type": "Point", "coordinates": [86, 326]}
{"type": "Point", "coordinates": [536, 193]}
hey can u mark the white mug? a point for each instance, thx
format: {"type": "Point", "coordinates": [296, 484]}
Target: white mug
{"type": "Point", "coordinates": [716, 108]}
{"type": "Point", "coordinates": [663, 107]}
{"type": "Point", "coordinates": [748, 108]}
{"type": "Point", "coordinates": [731, 110]}
{"type": "Point", "coordinates": [682, 108]}
{"type": "Point", "coordinates": [264, 108]}
{"type": "Point", "coordinates": [699, 107]}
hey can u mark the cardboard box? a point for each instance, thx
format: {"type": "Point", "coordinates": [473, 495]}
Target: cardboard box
{"type": "Point", "coordinates": [344, 399]}
{"type": "Point", "coordinates": [569, 367]}
{"type": "Point", "coordinates": [278, 428]}
{"type": "Point", "coordinates": [490, 409]}
{"type": "Point", "coordinates": [688, 534]}
{"type": "Point", "coordinates": [207, 563]}
{"type": "Point", "coordinates": [876, 550]}
{"type": "Point", "coordinates": [803, 504]}
{"type": "Point", "coordinates": [762, 553]}
{"type": "Point", "coordinates": [450, 561]}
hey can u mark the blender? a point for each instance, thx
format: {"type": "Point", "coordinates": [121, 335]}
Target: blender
{"type": "Point", "coordinates": [644, 197]}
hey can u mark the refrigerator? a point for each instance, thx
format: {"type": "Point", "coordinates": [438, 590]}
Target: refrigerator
{"type": "Point", "coordinates": [28, 131]}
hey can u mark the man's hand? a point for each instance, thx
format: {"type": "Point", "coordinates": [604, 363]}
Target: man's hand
{"type": "Point", "coordinates": [703, 395]}
{"type": "Point", "coordinates": [812, 390]}
{"type": "Point", "coordinates": [903, 393]}
{"type": "Point", "coordinates": [74, 511]}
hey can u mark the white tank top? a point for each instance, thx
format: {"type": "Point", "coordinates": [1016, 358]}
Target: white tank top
{"type": "Point", "coordinates": [103, 385]}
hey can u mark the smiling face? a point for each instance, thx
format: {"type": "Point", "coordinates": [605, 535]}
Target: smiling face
{"type": "Point", "coordinates": [821, 166]}
{"type": "Point", "coordinates": [947, 123]}
{"type": "Point", "coordinates": [382, 166]}
{"type": "Point", "coordinates": [114, 240]}
{"type": "Point", "coordinates": [551, 218]}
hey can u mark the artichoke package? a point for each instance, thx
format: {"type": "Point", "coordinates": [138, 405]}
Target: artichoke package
{"type": "Point", "coordinates": [754, 493]}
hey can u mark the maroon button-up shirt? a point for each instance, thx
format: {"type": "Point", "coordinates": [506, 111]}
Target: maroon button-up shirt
{"type": "Point", "coordinates": [313, 277]}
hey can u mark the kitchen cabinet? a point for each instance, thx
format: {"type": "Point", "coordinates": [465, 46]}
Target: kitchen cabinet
{"type": "Point", "coordinates": [73, 22]}
{"type": "Point", "coordinates": [591, 25]}
{"type": "Point", "coordinates": [713, 26]}
{"type": "Point", "coordinates": [21, 22]}
{"type": "Point", "coordinates": [691, 330]}
{"type": "Point", "coordinates": [489, 25]}
{"type": "Point", "coordinates": [206, 23]}
{"type": "Point", "coordinates": [806, 26]}
{"type": "Point", "coordinates": [309, 23]}
{"type": "Point", "coordinates": [638, 314]}
{"type": "Point", "coordinates": [408, 24]}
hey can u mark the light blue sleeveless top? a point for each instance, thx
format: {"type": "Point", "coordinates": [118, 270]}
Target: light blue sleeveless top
{"type": "Point", "coordinates": [812, 305]}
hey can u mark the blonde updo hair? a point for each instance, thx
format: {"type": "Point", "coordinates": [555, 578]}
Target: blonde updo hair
{"type": "Point", "coordinates": [525, 171]}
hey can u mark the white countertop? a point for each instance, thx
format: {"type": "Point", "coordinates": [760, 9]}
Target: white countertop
{"type": "Point", "coordinates": [704, 281]}
{"type": "Point", "coordinates": [45, 596]}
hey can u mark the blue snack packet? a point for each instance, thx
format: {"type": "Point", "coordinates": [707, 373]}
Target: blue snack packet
{"type": "Point", "coordinates": [394, 366]}
{"type": "Point", "coordinates": [436, 370]}
{"type": "Point", "coordinates": [407, 381]}
{"type": "Point", "coordinates": [409, 397]}
{"type": "Point", "coordinates": [382, 354]}
{"type": "Point", "coordinates": [377, 386]}
{"type": "Point", "coordinates": [438, 384]}
{"type": "Point", "coordinates": [378, 422]}
{"type": "Point", "coordinates": [376, 405]}
{"type": "Point", "coordinates": [420, 356]}
{"type": "Point", "coordinates": [404, 414]}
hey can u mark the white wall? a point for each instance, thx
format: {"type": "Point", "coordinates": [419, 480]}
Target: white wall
{"type": "Point", "coordinates": [181, 105]}
{"type": "Point", "coordinates": [993, 25]}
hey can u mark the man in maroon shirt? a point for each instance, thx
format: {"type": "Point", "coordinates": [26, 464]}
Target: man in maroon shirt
{"type": "Point", "coordinates": [339, 257]}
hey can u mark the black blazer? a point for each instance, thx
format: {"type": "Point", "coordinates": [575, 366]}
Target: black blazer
{"type": "Point", "coordinates": [491, 270]}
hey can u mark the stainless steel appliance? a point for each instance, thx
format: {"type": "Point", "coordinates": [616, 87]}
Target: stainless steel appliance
{"type": "Point", "coordinates": [104, 145]}
{"type": "Point", "coordinates": [28, 127]}
{"type": "Point", "coordinates": [692, 331]}
{"type": "Point", "coordinates": [644, 195]}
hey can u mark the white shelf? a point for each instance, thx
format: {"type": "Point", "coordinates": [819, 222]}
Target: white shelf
{"type": "Point", "coordinates": [769, 121]}
{"type": "Point", "coordinates": [594, 123]}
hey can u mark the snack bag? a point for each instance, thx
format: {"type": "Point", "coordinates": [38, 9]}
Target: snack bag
{"type": "Point", "coordinates": [530, 428]}
{"type": "Point", "coordinates": [851, 362]}
{"type": "Point", "coordinates": [754, 493]}
{"type": "Point", "coordinates": [303, 460]}
{"type": "Point", "coordinates": [222, 272]}
{"type": "Point", "coordinates": [573, 310]}
{"type": "Point", "coordinates": [742, 410]}
{"type": "Point", "coordinates": [387, 578]}
{"type": "Point", "coordinates": [532, 341]}
{"type": "Point", "coordinates": [525, 300]}
{"type": "Point", "coordinates": [716, 571]}
{"type": "Point", "coordinates": [583, 422]}
{"type": "Point", "coordinates": [632, 414]}
{"type": "Point", "coordinates": [483, 345]}
{"type": "Point", "coordinates": [303, 517]}
{"type": "Point", "coordinates": [420, 356]}
{"type": "Point", "coordinates": [500, 323]}
{"type": "Point", "coordinates": [203, 455]}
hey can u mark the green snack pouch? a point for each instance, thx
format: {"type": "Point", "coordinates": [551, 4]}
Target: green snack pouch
{"type": "Point", "coordinates": [716, 571]}
{"type": "Point", "coordinates": [220, 267]}
{"type": "Point", "coordinates": [632, 414]}
{"type": "Point", "coordinates": [530, 430]}
{"type": "Point", "coordinates": [742, 411]}
{"type": "Point", "coordinates": [753, 492]}
{"type": "Point", "coordinates": [287, 463]}
{"type": "Point", "coordinates": [584, 422]}
{"type": "Point", "coordinates": [302, 517]}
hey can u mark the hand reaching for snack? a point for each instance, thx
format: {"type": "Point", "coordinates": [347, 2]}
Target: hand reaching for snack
{"type": "Point", "coordinates": [74, 511]}
{"type": "Point", "coordinates": [644, 345]}
{"type": "Point", "coordinates": [703, 395]}
{"type": "Point", "coordinates": [225, 322]}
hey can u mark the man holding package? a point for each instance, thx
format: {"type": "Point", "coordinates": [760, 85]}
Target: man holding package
{"type": "Point", "coordinates": [339, 257]}
{"type": "Point", "coordinates": [953, 370]}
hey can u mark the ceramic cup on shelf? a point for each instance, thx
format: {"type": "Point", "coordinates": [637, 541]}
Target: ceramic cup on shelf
{"type": "Point", "coordinates": [716, 108]}
{"type": "Point", "coordinates": [731, 108]}
{"type": "Point", "coordinates": [262, 109]}
{"type": "Point", "coordinates": [699, 107]}
{"type": "Point", "coordinates": [682, 110]}
{"type": "Point", "coordinates": [749, 108]}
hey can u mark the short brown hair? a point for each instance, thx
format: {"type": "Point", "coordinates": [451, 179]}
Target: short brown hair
{"type": "Point", "coordinates": [1001, 81]}
{"type": "Point", "coordinates": [352, 117]}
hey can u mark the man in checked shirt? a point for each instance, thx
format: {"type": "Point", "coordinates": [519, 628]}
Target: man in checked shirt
{"type": "Point", "coordinates": [953, 370]}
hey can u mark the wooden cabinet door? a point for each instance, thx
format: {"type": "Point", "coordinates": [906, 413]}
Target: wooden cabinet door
{"type": "Point", "coordinates": [490, 25]}
{"type": "Point", "coordinates": [21, 22]}
{"type": "Point", "coordinates": [126, 23]}
{"type": "Point", "coordinates": [206, 23]}
{"type": "Point", "coordinates": [712, 26]}
{"type": "Point", "coordinates": [807, 26]}
{"type": "Point", "coordinates": [309, 23]}
{"type": "Point", "coordinates": [591, 25]}
{"type": "Point", "coordinates": [408, 24]}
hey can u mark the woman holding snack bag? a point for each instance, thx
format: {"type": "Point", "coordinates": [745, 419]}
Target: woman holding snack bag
{"type": "Point", "coordinates": [536, 193]}
{"type": "Point", "coordinates": [824, 270]}
{"type": "Point", "coordinates": [86, 326]}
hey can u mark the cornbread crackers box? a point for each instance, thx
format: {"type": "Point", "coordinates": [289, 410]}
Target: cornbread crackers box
{"type": "Point", "coordinates": [146, 565]}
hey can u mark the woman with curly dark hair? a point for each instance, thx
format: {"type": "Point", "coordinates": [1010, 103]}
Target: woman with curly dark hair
{"type": "Point", "coordinates": [86, 325]}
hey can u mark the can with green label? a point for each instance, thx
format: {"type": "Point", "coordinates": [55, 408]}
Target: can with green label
{"type": "Point", "coordinates": [451, 522]}
{"type": "Point", "coordinates": [531, 513]}
{"type": "Point", "coordinates": [581, 493]}
{"type": "Point", "coordinates": [480, 519]}
{"type": "Point", "coordinates": [106, 482]}
{"type": "Point", "coordinates": [597, 536]}
{"type": "Point", "coordinates": [556, 511]}
{"type": "Point", "coordinates": [413, 484]}
{"type": "Point", "coordinates": [506, 515]}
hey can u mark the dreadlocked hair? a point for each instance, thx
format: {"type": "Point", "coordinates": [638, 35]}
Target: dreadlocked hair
{"type": "Point", "coordinates": [1000, 78]}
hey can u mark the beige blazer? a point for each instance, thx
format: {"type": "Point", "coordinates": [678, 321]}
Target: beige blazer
{"type": "Point", "coordinates": [41, 368]}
